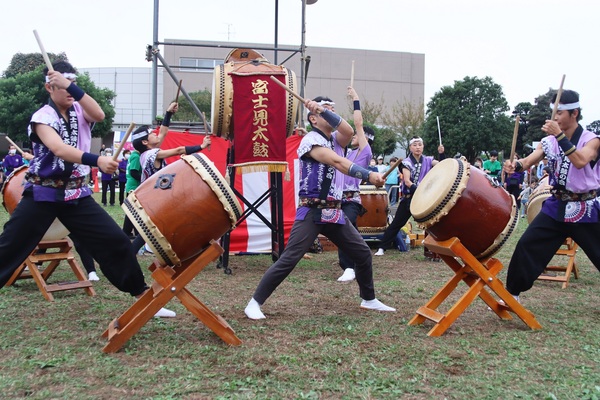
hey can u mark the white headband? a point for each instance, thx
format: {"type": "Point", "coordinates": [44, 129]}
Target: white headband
{"type": "Point", "coordinates": [563, 107]}
{"type": "Point", "coordinates": [326, 103]}
{"type": "Point", "coordinates": [69, 75]}
{"type": "Point", "coordinates": [141, 134]}
{"type": "Point", "coordinates": [418, 139]}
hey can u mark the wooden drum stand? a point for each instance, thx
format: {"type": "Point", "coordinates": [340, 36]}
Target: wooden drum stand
{"type": "Point", "coordinates": [479, 276]}
{"type": "Point", "coordinates": [168, 283]}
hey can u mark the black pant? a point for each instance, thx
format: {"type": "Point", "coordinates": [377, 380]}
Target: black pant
{"type": "Point", "coordinates": [121, 192]}
{"type": "Point", "coordinates": [301, 238]}
{"type": "Point", "coordinates": [97, 232]}
{"type": "Point", "coordinates": [538, 245]}
{"type": "Point", "coordinates": [106, 185]}
{"type": "Point", "coordinates": [351, 211]}
{"type": "Point", "coordinates": [400, 219]}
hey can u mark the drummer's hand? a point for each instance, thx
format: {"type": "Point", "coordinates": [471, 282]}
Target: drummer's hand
{"type": "Point", "coordinates": [313, 107]}
{"type": "Point", "coordinates": [27, 155]}
{"type": "Point", "coordinates": [206, 142]}
{"type": "Point", "coordinates": [509, 167]}
{"type": "Point", "coordinates": [441, 149]}
{"type": "Point", "coordinates": [107, 164]}
{"type": "Point", "coordinates": [173, 107]}
{"type": "Point", "coordinates": [375, 178]}
{"type": "Point", "coordinates": [57, 79]}
{"type": "Point", "coordinates": [352, 93]}
{"type": "Point", "coordinates": [551, 128]}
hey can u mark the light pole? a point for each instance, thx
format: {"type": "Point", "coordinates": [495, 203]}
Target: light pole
{"type": "Point", "coordinates": [303, 57]}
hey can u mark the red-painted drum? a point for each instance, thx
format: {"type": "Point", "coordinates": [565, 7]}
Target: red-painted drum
{"type": "Point", "coordinates": [375, 201]}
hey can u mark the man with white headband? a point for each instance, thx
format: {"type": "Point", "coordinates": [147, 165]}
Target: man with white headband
{"type": "Point", "coordinates": [319, 210]}
{"type": "Point", "coordinates": [414, 168]}
{"type": "Point", "coordinates": [57, 187]}
{"type": "Point", "coordinates": [573, 210]}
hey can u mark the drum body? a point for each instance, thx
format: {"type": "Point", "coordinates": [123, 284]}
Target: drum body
{"type": "Point", "coordinates": [182, 207]}
{"type": "Point", "coordinates": [247, 62]}
{"type": "Point", "coordinates": [12, 192]}
{"type": "Point", "coordinates": [534, 205]}
{"type": "Point", "coordinates": [454, 200]}
{"type": "Point", "coordinates": [375, 201]}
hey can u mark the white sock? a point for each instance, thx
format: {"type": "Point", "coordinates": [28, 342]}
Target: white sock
{"type": "Point", "coordinates": [253, 311]}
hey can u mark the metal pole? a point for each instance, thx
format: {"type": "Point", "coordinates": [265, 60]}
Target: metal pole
{"type": "Point", "coordinates": [302, 63]}
{"type": "Point", "coordinates": [154, 63]}
{"type": "Point", "coordinates": [276, 31]}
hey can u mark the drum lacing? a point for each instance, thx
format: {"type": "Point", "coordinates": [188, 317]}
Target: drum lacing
{"type": "Point", "coordinates": [140, 222]}
{"type": "Point", "coordinates": [449, 197]}
{"type": "Point", "coordinates": [217, 180]}
{"type": "Point", "coordinates": [290, 110]}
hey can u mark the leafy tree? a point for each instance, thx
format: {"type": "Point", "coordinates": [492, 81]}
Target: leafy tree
{"type": "Point", "coordinates": [538, 115]}
{"type": "Point", "coordinates": [23, 93]}
{"type": "Point", "coordinates": [522, 110]}
{"type": "Point", "coordinates": [406, 120]}
{"type": "Point", "coordinates": [186, 113]}
{"type": "Point", "coordinates": [22, 63]}
{"type": "Point", "coordinates": [594, 127]}
{"type": "Point", "coordinates": [472, 117]}
{"type": "Point", "coordinates": [386, 141]}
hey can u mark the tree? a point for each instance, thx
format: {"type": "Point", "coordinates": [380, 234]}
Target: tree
{"type": "Point", "coordinates": [472, 117]}
{"type": "Point", "coordinates": [22, 63]}
{"type": "Point", "coordinates": [186, 113]}
{"type": "Point", "coordinates": [523, 110]}
{"type": "Point", "coordinates": [594, 127]}
{"type": "Point", "coordinates": [406, 120]}
{"type": "Point", "coordinates": [23, 93]}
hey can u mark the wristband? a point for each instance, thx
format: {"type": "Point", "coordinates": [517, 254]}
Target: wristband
{"type": "Point", "coordinates": [90, 159]}
{"type": "Point", "coordinates": [441, 156]}
{"type": "Point", "coordinates": [331, 118]}
{"type": "Point", "coordinates": [356, 105]}
{"type": "Point", "coordinates": [359, 172]}
{"type": "Point", "coordinates": [518, 166]}
{"type": "Point", "coordinates": [565, 144]}
{"type": "Point", "coordinates": [167, 119]}
{"type": "Point", "coordinates": [75, 91]}
{"type": "Point", "coordinates": [192, 149]}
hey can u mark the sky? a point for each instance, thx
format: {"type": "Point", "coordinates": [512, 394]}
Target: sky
{"type": "Point", "coordinates": [525, 46]}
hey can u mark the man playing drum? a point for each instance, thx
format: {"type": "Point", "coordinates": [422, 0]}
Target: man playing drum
{"type": "Point", "coordinates": [360, 153]}
{"type": "Point", "coordinates": [573, 210]}
{"type": "Point", "coordinates": [414, 168]}
{"type": "Point", "coordinates": [57, 187]}
{"type": "Point", "coordinates": [319, 208]}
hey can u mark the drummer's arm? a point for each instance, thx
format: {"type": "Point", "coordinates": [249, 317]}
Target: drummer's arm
{"type": "Point", "coordinates": [441, 155]}
{"type": "Point", "coordinates": [358, 119]}
{"type": "Point", "coordinates": [406, 178]}
{"type": "Point", "coordinates": [164, 127]}
{"type": "Point", "coordinates": [524, 163]}
{"type": "Point", "coordinates": [580, 158]}
{"type": "Point", "coordinates": [330, 157]}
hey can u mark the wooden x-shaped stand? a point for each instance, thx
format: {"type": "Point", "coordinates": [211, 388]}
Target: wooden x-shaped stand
{"type": "Point", "coordinates": [168, 283]}
{"type": "Point", "coordinates": [479, 277]}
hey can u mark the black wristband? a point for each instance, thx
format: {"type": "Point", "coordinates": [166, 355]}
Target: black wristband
{"type": "Point", "coordinates": [356, 105]}
{"type": "Point", "coordinates": [332, 118]}
{"type": "Point", "coordinates": [167, 119]}
{"type": "Point", "coordinates": [90, 159]}
{"type": "Point", "coordinates": [518, 166]}
{"type": "Point", "coordinates": [75, 91]}
{"type": "Point", "coordinates": [441, 156]}
{"type": "Point", "coordinates": [565, 144]}
{"type": "Point", "coordinates": [192, 149]}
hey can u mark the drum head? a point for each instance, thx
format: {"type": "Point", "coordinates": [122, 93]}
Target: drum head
{"type": "Point", "coordinates": [240, 55]}
{"type": "Point", "coordinates": [534, 206]}
{"type": "Point", "coordinates": [439, 190]}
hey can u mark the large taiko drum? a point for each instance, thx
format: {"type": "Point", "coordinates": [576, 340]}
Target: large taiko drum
{"type": "Point", "coordinates": [182, 207]}
{"type": "Point", "coordinates": [455, 200]}
{"type": "Point", "coordinates": [246, 62]}
{"type": "Point", "coordinates": [375, 201]}
{"type": "Point", "coordinates": [12, 192]}
{"type": "Point", "coordinates": [534, 205]}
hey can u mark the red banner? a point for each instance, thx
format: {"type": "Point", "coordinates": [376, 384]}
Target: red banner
{"type": "Point", "coordinates": [259, 123]}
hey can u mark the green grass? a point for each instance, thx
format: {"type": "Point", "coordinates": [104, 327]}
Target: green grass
{"type": "Point", "coordinates": [315, 343]}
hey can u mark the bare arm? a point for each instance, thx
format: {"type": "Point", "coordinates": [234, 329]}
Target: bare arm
{"type": "Point", "coordinates": [440, 151]}
{"type": "Point", "coordinates": [164, 129]}
{"type": "Point", "coordinates": [329, 157]}
{"type": "Point", "coordinates": [358, 121]}
{"type": "Point", "coordinates": [91, 109]}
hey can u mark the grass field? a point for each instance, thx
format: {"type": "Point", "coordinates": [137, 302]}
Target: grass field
{"type": "Point", "coordinates": [316, 343]}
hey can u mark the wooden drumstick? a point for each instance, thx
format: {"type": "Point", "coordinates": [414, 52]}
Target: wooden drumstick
{"type": "Point", "coordinates": [514, 140]}
{"type": "Point", "coordinates": [14, 144]}
{"type": "Point", "coordinates": [439, 130]}
{"type": "Point", "coordinates": [392, 167]}
{"type": "Point", "coordinates": [178, 90]}
{"type": "Point", "coordinates": [206, 126]}
{"type": "Point", "coordinates": [287, 89]}
{"type": "Point", "coordinates": [352, 75]}
{"type": "Point", "coordinates": [558, 94]}
{"type": "Point", "coordinates": [123, 141]}
{"type": "Point", "coordinates": [44, 54]}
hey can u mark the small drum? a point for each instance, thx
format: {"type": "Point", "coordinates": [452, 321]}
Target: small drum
{"type": "Point", "coordinates": [375, 201]}
{"type": "Point", "coordinates": [182, 207]}
{"type": "Point", "coordinates": [534, 205]}
{"type": "Point", "coordinates": [248, 62]}
{"type": "Point", "coordinates": [455, 200]}
{"type": "Point", "coordinates": [12, 192]}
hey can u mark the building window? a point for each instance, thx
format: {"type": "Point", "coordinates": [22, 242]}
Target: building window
{"type": "Point", "coordinates": [198, 64]}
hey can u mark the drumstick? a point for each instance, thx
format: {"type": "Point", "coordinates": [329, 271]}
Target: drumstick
{"type": "Point", "coordinates": [44, 54]}
{"type": "Point", "coordinates": [14, 144]}
{"type": "Point", "coordinates": [514, 140]}
{"type": "Point", "coordinates": [287, 89]}
{"type": "Point", "coordinates": [123, 141]}
{"type": "Point", "coordinates": [439, 131]}
{"type": "Point", "coordinates": [206, 126]}
{"type": "Point", "coordinates": [178, 89]}
{"type": "Point", "coordinates": [352, 75]}
{"type": "Point", "coordinates": [392, 167]}
{"type": "Point", "coordinates": [558, 94]}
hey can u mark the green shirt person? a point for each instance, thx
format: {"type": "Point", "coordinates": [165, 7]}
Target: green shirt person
{"type": "Point", "coordinates": [492, 167]}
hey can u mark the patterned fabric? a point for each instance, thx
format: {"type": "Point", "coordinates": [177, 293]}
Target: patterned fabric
{"type": "Point", "coordinates": [147, 160]}
{"type": "Point", "coordinates": [566, 178]}
{"type": "Point", "coordinates": [47, 166]}
{"type": "Point", "coordinates": [352, 184]}
{"type": "Point", "coordinates": [422, 167]}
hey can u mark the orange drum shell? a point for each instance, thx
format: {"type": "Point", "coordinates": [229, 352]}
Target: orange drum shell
{"type": "Point", "coordinates": [188, 214]}
{"type": "Point", "coordinates": [479, 216]}
{"type": "Point", "coordinates": [376, 204]}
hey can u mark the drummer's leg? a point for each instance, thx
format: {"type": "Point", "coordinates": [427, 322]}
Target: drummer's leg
{"type": "Point", "coordinates": [400, 219]}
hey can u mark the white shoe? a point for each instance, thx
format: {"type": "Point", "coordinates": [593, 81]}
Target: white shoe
{"type": "Point", "coordinates": [380, 252]}
{"type": "Point", "coordinates": [347, 276]}
{"type": "Point", "coordinates": [92, 276]}
{"type": "Point", "coordinates": [253, 311]}
{"type": "Point", "coordinates": [165, 313]}
{"type": "Point", "coordinates": [375, 305]}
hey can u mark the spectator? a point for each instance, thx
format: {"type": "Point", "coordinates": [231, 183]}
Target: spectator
{"type": "Point", "coordinates": [492, 167]}
{"type": "Point", "coordinates": [123, 175]}
{"type": "Point", "coordinates": [391, 182]}
{"type": "Point", "coordinates": [108, 182]}
{"type": "Point", "coordinates": [12, 161]}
